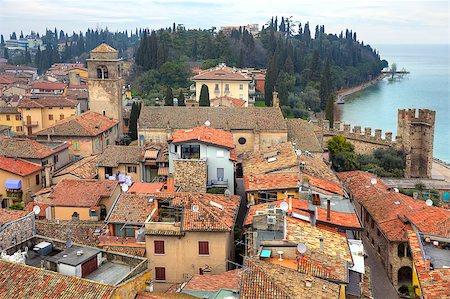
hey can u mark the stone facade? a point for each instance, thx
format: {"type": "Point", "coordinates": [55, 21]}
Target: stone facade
{"type": "Point", "coordinates": [105, 84]}
{"type": "Point", "coordinates": [17, 231]}
{"type": "Point", "coordinates": [416, 132]}
{"type": "Point", "coordinates": [191, 175]}
{"type": "Point", "coordinates": [79, 232]}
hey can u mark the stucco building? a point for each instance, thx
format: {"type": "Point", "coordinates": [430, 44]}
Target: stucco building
{"type": "Point", "coordinates": [10, 116]}
{"type": "Point", "coordinates": [253, 128]}
{"type": "Point", "coordinates": [119, 159]}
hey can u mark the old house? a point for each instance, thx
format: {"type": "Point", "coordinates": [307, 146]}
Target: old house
{"type": "Point", "coordinates": [253, 128]}
{"type": "Point", "coordinates": [84, 169]}
{"type": "Point", "coordinates": [223, 81]}
{"type": "Point", "coordinates": [155, 162]}
{"type": "Point", "coordinates": [201, 158]}
{"type": "Point", "coordinates": [190, 233]}
{"type": "Point", "coordinates": [120, 160]}
{"type": "Point", "coordinates": [387, 215]}
{"type": "Point", "coordinates": [15, 227]}
{"type": "Point", "coordinates": [88, 133]}
{"type": "Point", "coordinates": [80, 199]}
{"type": "Point", "coordinates": [41, 113]}
{"type": "Point", "coordinates": [10, 116]}
{"type": "Point", "coordinates": [47, 88]}
{"type": "Point", "coordinates": [19, 179]}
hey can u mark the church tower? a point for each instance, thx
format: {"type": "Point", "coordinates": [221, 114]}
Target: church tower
{"type": "Point", "coordinates": [105, 82]}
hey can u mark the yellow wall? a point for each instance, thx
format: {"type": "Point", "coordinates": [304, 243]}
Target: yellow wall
{"type": "Point", "coordinates": [14, 91]}
{"type": "Point", "coordinates": [415, 280]}
{"type": "Point", "coordinates": [83, 73]}
{"type": "Point", "coordinates": [41, 116]}
{"type": "Point", "coordinates": [234, 87]}
{"type": "Point", "coordinates": [16, 124]}
{"type": "Point", "coordinates": [181, 254]}
{"type": "Point", "coordinates": [281, 195]}
{"type": "Point", "coordinates": [130, 288]}
{"type": "Point", "coordinates": [122, 168]}
{"type": "Point", "coordinates": [29, 185]}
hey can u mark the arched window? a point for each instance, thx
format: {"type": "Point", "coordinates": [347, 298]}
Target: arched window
{"type": "Point", "coordinates": [401, 250]}
{"type": "Point", "coordinates": [102, 72]}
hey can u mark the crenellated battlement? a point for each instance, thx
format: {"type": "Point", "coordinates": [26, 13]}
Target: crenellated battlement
{"type": "Point", "coordinates": [355, 132]}
{"type": "Point", "coordinates": [422, 116]}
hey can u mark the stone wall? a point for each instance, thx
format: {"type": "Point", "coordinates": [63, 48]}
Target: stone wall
{"type": "Point", "coordinates": [17, 231]}
{"type": "Point", "coordinates": [191, 175]}
{"type": "Point", "coordinates": [79, 232]}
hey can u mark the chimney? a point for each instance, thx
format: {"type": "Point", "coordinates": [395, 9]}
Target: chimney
{"type": "Point", "coordinates": [321, 244]}
{"type": "Point", "coordinates": [275, 101]}
{"type": "Point", "coordinates": [170, 183]}
{"type": "Point", "coordinates": [328, 210]}
{"type": "Point", "coordinates": [48, 176]}
{"type": "Point", "coordinates": [290, 205]}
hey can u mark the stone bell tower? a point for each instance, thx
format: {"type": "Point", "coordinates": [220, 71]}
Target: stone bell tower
{"type": "Point", "coordinates": [105, 82]}
{"type": "Point", "coordinates": [416, 132]}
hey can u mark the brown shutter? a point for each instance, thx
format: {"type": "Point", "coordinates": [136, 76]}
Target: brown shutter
{"type": "Point", "coordinates": [160, 273]}
{"type": "Point", "coordinates": [203, 247]}
{"type": "Point", "coordinates": [159, 247]}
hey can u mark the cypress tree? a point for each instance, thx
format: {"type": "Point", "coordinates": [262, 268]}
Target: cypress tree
{"type": "Point", "coordinates": [315, 66]}
{"type": "Point", "coordinates": [2, 40]}
{"type": "Point", "coordinates": [326, 85]}
{"type": "Point", "coordinates": [37, 58]}
{"type": "Point", "coordinates": [329, 110]}
{"type": "Point", "coordinates": [27, 57]}
{"type": "Point", "coordinates": [204, 96]}
{"type": "Point", "coordinates": [5, 53]}
{"type": "Point", "coordinates": [181, 101]}
{"type": "Point", "coordinates": [168, 99]}
{"type": "Point", "coordinates": [132, 128]}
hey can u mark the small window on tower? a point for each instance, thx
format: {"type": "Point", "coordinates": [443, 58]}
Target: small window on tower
{"type": "Point", "coordinates": [102, 72]}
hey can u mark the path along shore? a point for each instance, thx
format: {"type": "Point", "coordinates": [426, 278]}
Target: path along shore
{"type": "Point", "coordinates": [342, 93]}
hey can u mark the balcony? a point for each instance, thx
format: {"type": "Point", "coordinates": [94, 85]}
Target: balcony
{"type": "Point", "coordinates": [30, 123]}
{"type": "Point", "coordinates": [220, 183]}
{"type": "Point", "coordinates": [163, 228]}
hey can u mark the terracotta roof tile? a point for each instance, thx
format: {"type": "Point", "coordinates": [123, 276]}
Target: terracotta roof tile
{"type": "Point", "coordinates": [27, 148]}
{"type": "Point", "coordinates": [131, 208]}
{"type": "Point", "coordinates": [157, 295]}
{"type": "Point", "coordinates": [203, 134]}
{"type": "Point", "coordinates": [81, 193]}
{"type": "Point", "coordinates": [229, 280]}
{"type": "Point", "coordinates": [10, 215]}
{"type": "Point", "coordinates": [114, 155]}
{"type": "Point", "coordinates": [86, 124]}
{"type": "Point", "coordinates": [22, 281]}
{"type": "Point", "coordinates": [19, 167]}
{"type": "Point", "coordinates": [139, 187]}
{"type": "Point", "coordinates": [324, 185]}
{"type": "Point", "coordinates": [48, 85]}
{"type": "Point", "coordinates": [85, 168]}
{"type": "Point", "coordinates": [302, 133]}
{"type": "Point", "coordinates": [271, 181]}
{"type": "Point", "coordinates": [104, 48]}
{"type": "Point", "coordinates": [221, 74]}
{"type": "Point", "coordinates": [234, 102]}
{"type": "Point", "coordinates": [43, 102]}
{"type": "Point", "coordinates": [8, 110]}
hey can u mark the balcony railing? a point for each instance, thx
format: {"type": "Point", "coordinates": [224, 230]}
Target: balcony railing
{"type": "Point", "coordinates": [163, 228]}
{"type": "Point", "coordinates": [219, 182]}
{"type": "Point", "coordinates": [30, 123]}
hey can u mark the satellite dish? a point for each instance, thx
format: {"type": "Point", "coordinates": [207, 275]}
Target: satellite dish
{"type": "Point", "coordinates": [373, 181]}
{"type": "Point", "coordinates": [69, 243]}
{"type": "Point", "coordinates": [124, 187]}
{"type": "Point", "coordinates": [227, 193]}
{"type": "Point", "coordinates": [301, 247]}
{"type": "Point", "coordinates": [429, 202]}
{"type": "Point", "coordinates": [36, 210]}
{"type": "Point", "coordinates": [284, 206]}
{"type": "Point", "coordinates": [207, 123]}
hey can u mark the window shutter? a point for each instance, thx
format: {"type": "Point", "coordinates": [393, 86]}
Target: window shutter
{"type": "Point", "coordinates": [203, 247]}
{"type": "Point", "coordinates": [159, 247]}
{"type": "Point", "coordinates": [160, 273]}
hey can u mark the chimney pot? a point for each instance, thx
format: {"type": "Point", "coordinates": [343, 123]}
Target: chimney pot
{"type": "Point", "coordinates": [328, 210]}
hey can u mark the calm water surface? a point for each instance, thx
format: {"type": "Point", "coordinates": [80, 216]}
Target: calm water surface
{"type": "Point", "coordinates": [427, 86]}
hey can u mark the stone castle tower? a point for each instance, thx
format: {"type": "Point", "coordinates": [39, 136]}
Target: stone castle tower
{"type": "Point", "coordinates": [416, 132]}
{"type": "Point", "coordinates": [105, 82]}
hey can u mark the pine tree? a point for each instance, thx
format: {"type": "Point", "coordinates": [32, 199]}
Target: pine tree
{"type": "Point", "coordinates": [37, 58]}
{"type": "Point", "coordinates": [181, 101]}
{"type": "Point", "coordinates": [307, 32]}
{"type": "Point", "coordinates": [168, 98]}
{"type": "Point", "coordinates": [271, 79]}
{"type": "Point", "coordinates": [21, 34]}
{"type": "Point", "coordinates": [204, 96]}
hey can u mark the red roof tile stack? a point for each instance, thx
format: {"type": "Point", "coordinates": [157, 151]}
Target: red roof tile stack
{"type": "Point", "coordinates": [229, 280]}
{"type": "Point", "coordinates": [131, 208]}
{"type": "Point", "coordinates": [204, 134]}
{"type": "Point", "coordinates": [48, 85]}
{"type": "Point", "coordinates": [271, 181]}
{"type": "Point", "coordinates": [19, 167]}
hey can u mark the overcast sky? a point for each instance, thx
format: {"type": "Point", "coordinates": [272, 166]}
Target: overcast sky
{"type": "Point", "coordinates": [376, 22]}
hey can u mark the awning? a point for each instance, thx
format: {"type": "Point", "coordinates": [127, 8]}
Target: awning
{"type": "Point", "coordinates": [163, 171]}
{"type": "Point", "coordinates": [151, 154]}
{"type": "Point", "coordinates": [13, 184]}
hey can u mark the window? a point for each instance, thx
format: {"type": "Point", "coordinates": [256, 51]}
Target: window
{"type": "Point", "coordinates": [76, 146]}
{"type": "Point", "coordinates": [203, 247]}
{"type": "Point", "coordinates": [97, 144]}
{"type": "Point", "coordinates": [227, 87]}
{"type": "Point", "coordinates": [61, 116]}
{"type": "Point", "coordinates": [8, 117]}
{"type": "Point", "coordinates": [38, 179]}
{"type": "Point", "coordinates": [160, 273]}
{"type": "Point", "coordinates": [372, 223]}
{"type": "Point", "coordinates": [216, 88]}
{"type": "Point", "coordinates": [50, 117]}
{"type": "Point", "coordinates": [241, 86]}
{"type": "Point", "coordinates": [44, 162]}
{"type": "Point", "coordinates": [190, 152]}
{"type": "Point", "coordinates": [19, 128]}
{"type": "Point", "coordinates": [102, 72]}
{"type": "Point", "coordinates": [50, 108]}
{"type": "Point", "coordinates": [132, 169]}
{"type": "Point", "coordinates": [401, 250]}
{"type": "Point", "coordinates": [241, 96]}
{"type": "Point", "coordinates": [18, 117]}
{"type": "Point", "coordinates": [242, 140]}
{"type": "Point", "coordinates": [61, 108]}
{"type": "Point", "coordinates": [220, 154]}
{"type": "Point", "coordinates": [220, 174]}
{"type": "Point", "coordinates": [107, 142]}
{"type": "Point", "coordinates": [159, 247]}
{"type": "Point", "coordinates": [55, 159]}
{"type": "Point", "coordinates": [121, 231]}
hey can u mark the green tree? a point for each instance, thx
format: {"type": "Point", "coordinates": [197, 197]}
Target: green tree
{"type": "Point", "coordinates": [134, 116]}
{"type": "Point", "coordinates": [329, 110]}
{"type": "Point", "coordinates": [315, 66]}
{"type": "Point", "coordinates": [168, 97]}
{"type": "Point", "coordinates": [339, 144]}
{"type": "Point", "coordinates": [181, 100]}
{"type": "Point", "coordinates": [326, 85]}
{"type": "Point", "coordinates": [204, 96]}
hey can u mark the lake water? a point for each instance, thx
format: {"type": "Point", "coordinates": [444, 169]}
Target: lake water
{"type": "Point", "coordinates": [427, 86]}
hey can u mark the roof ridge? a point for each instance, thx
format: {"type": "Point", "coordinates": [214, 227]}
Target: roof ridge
{"type": "Point", "coordinates": [210, 211]}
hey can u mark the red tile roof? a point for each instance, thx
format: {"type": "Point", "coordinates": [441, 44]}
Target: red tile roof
{"type": "Point", "coordinates": [18, 167]}
{"type": "Point", "coordinates": [48, 85]}
{"type": "Point", "coordinates": [434, 284]}
{"type": "Point", "coordinates": [81, 193]}
{"type": "Point", "coordinates": [392, 210]}
{"type": "Point", "coordinates": [46, 102]}
{"type": "Point", "coordinates": [131, 208]}
{"type": "Point", "coordinates": [87, 124]}
{"type": "Point", "coordinates": [204, 134]}
{"type": "Point", "coordinates": [22, 281]}
{"type": "Point", "coordinates": [229, 280]}
{"type": "Point", "coordinates": [10, 215]}
{"type": "Point", "coordinates": [234, 102]}
{"type": "Point", "coordinates": [324, 185]}
{"type": "Point", "coordinates": [27, 148]}
{"type": "Point", "coordinates": [139, 187]}
{"type": "Point", "coordinates": [85, 168]}
{"type": "Point", "coordinates": [221, 74]}
{"type": "Point", "coordinates": [271, 181]}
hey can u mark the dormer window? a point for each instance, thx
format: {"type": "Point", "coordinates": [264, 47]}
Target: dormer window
{"type": "Point", "coordinates": [102, 72]}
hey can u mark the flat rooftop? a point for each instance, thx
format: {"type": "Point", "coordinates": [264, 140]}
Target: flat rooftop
{"type": "Point", "coordinates": [109, 273]}
{"type": "Point", "coordinates": [70, 255]}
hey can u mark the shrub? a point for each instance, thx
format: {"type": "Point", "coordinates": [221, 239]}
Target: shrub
{"type": "Point", "coordinates": [17, 206]}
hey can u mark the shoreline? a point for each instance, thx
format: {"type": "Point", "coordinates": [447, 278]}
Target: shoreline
{"type": "Point", "coordinates": [342, 93]}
